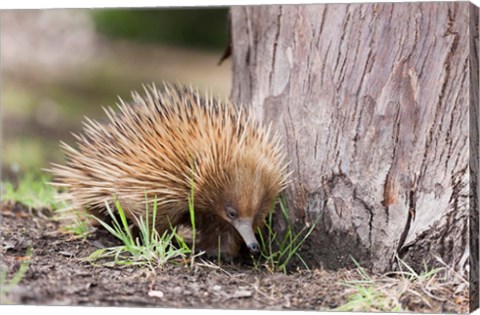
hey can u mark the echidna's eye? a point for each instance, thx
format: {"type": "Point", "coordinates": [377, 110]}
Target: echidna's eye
{"type": "Point", "coordinates": [231, 212]}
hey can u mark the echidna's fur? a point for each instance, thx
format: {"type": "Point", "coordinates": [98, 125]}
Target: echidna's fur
{"type": "Point", "coordinates": [158, 145]}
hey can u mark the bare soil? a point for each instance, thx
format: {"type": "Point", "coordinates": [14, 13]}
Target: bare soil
{"type": "Point", "coordinates": [58, 275]}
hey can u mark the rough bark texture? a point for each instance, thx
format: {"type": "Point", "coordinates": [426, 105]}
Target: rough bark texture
{"type": "Point", "coordinates": [373, 103]}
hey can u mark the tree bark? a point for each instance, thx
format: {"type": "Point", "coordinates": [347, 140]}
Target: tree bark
{"type": "Point", "coordinates": [377, 105]}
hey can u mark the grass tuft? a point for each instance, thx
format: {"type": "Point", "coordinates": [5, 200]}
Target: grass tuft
{"type": "Point", "coordinates": [7, 285]}
{"type": "Point", "coordinates": [393, 291]}
{"type": "Point", "coordinates": [277, 250]}
{"type": "Point", "coordinates": [33, 191]}
{"type": "Point", "coordinates": [79, 225]}
{"type": "Point", "coordinates": [150, 248]}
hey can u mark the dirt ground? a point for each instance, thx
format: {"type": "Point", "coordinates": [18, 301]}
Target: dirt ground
{"type": "Point", "coordinates": [57, 275]}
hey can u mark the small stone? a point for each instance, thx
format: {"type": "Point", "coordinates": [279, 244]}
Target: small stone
{"type": "Point", "coordinates": [153, 293]}
{"type": "Point", "coordinates": [242, 294]}
{"type": "Point", "coordinates": [66, 253]}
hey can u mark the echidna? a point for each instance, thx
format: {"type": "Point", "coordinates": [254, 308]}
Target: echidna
{"type": "Point", "coordinates": [167, 142]}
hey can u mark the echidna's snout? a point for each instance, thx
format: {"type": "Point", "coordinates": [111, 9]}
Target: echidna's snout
{"type": "Point", "coordinates": [244, 227]}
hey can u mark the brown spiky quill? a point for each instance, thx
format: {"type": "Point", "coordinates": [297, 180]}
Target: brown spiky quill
{"type": "Point", "coordinates": [162, 143]}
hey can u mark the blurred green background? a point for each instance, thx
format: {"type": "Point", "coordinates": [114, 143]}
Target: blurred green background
{"type": "Point", "coordinates": [201, 27]}
{"type": "Point", "coordinates": [61, 65]}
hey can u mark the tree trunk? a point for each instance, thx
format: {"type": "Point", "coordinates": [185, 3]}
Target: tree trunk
{"type": "Point", "coordinates": [377, 105]}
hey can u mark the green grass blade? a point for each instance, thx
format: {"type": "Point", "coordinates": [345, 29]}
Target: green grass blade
{"type": "Point", "coordinates": [123, 218]}
{"type": "Point", "coordinates": [22, 270]}
{"type": "Point", "coordinates": [154, 215]}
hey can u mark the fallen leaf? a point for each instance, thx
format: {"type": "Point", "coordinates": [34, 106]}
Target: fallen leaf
{"type": "Point", "coordinates": [22, 215]}
{"type": "Point", "coordinates": [7, 213]}
{"type": "Point", "coordinates": [23, 258]}
{"type": "Point", "coordinates": [460, 300]}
